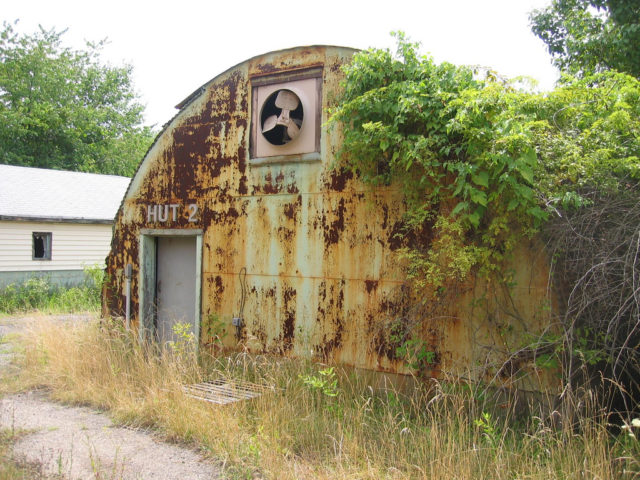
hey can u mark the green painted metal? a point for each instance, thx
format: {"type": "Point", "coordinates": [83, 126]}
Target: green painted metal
{"type": "Point", "coordinates": [148, 276]}
{"type": "Point", "coordinates": [147, 286]}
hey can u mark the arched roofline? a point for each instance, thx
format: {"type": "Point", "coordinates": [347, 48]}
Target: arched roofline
{"type": "Point", "coordinates": [200, 90]}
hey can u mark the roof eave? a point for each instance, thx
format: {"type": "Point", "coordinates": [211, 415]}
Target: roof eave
{"type": "Point", "coordinates": [27, 218]}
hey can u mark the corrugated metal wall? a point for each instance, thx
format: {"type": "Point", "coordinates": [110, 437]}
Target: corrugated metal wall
{"type": "Point", "coordinates": [323, 278]}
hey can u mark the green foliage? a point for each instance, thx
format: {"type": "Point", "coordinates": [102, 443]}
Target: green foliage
{"type": "Point", "coordinates": [64, 109]}
{"type": "Point", "coordinates": [589, 36]}
{"type": "Point", "coordinates": [184, 344]}
{"type": "Point", "coordinates": [214, 331]}
{"type": "Point", "coordinates": [325, 382]}
{"type": "Point", "coordinates": [38, 293]}
{"type": "Point", "coordinates": [588, 138]}
{"type": "Point", "coordinates": [415, 353]}
{"type": "Point", "coordinates": [482, 164]}
{"type": "Point", "coordinates": [489, 428]}
{"type": "Point", "coordinates": [586, 345]}
{"type": "Point", "coordinates": [94, 275]}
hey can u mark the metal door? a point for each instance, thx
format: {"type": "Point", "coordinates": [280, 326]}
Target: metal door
{"type": "Point", "coordinates": [175, 285]}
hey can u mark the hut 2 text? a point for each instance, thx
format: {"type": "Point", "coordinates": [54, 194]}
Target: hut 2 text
{"type": "Point", "coordinates": [169, 213]}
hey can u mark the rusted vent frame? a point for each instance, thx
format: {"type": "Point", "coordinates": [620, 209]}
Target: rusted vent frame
{"type": "Point", "coordinates": [223, 391]}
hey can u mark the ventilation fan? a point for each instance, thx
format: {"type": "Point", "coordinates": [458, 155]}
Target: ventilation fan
{"type": "Point", "coordinates": [285, 115]}
{"type": "Point", "coordinates": [282, 116]}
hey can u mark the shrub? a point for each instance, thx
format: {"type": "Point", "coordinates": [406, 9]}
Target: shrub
{"type": "Point", "coordinates": [38, 293]}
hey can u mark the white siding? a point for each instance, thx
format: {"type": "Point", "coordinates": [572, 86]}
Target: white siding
{"type": "Point", "coordinates": [73, 246]}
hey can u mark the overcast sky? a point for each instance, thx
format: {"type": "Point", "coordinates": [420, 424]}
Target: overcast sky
{"type": "Point", "coordinates": [177, 46]}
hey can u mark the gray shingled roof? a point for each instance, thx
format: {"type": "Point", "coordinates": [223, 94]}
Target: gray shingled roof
{"type": "Point", "coordinates": [40, 194]}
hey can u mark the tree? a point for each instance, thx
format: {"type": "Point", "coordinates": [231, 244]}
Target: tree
{"type": "Point", "coordinates": [63, 109]}
{"type": "Point", "coordinates": [589, 36]}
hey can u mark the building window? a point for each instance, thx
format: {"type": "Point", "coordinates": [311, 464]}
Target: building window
{"type": "Point", "coordinates": [41, 245]}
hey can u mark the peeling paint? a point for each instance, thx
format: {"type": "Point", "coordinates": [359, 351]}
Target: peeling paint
{"type": "Point", "coordinates": [323, 278]}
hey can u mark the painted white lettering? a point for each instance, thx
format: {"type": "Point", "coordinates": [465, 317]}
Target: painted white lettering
{"type": "Point", "coordinates": [152, 213]}
{"type": "Point", "coordinates": [163, 213]}
{"type": "Point", "coordinates": [174, 211]}
{"type": "Point", "coordinates": [170, 213]}
{"type": "Point", "coordinates": [193, 212]}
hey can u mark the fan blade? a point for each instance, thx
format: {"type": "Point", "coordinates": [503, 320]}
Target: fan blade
{"type": "Point", "coordinates": [287, 100]}
{"type": "Point", "coordinates": [270, 123]}
{"type": "Point", "coordinates": [293, 130]}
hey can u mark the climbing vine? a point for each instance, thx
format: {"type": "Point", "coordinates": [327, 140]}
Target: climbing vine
{"type": "Point", "coordinates": [483, 161]}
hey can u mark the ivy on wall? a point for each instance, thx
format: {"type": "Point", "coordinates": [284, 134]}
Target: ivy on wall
{"type": "Point", "coordinates": [483, 161]}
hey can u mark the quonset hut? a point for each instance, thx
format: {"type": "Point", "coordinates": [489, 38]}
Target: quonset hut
{"type": "Point", "coordinates": [236, 223]}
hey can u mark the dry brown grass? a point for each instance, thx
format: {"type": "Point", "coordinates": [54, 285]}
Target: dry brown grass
{"type": "Point", "coordinates": [435, 431]}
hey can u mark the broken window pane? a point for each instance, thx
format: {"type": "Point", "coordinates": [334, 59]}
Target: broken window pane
{"type": "Point", "coordinates": [42, 245]}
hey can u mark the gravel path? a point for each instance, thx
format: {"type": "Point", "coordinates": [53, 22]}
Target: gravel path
{"type": "Point", "coordinates": [80, 443]}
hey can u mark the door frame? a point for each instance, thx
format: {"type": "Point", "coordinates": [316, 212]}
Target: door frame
{"type": "Point", "coordinates": [147, 278]}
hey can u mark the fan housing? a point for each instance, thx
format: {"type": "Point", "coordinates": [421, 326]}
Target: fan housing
{"type": "Point", "coordinates": [286, 115]}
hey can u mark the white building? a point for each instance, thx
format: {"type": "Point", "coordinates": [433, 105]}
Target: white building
{"type": "Point", "coordinates": [55, 223]}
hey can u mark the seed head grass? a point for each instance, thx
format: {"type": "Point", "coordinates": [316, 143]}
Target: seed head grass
{"type": "Point", "coordinates": [319, 422]}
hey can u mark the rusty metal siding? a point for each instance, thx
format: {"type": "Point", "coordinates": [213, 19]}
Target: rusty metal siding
{"type": "Point", "coordinates": [323, 279]}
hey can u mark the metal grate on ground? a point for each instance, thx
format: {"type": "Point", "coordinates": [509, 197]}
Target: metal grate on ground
{"type": "Point", "coordinates": [224, 391]}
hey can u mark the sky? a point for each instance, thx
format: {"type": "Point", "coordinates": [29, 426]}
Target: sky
{"type": "Point", "coordinates": [176, 46]}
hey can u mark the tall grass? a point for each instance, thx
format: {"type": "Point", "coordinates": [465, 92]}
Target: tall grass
{"type": "Point", "coordinates": [38, 293]}
{"type": "Point", "coordinates": [323, 423]}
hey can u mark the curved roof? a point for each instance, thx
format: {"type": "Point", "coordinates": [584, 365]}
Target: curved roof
{"type": "Point", "coordinates": [202, 88]}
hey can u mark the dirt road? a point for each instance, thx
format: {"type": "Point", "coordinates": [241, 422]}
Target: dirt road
{"type": "Point", "coordinates": [80, 443]}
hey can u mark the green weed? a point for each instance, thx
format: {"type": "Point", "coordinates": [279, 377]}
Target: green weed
{"type": "Point", "coordinates": [38, 293]}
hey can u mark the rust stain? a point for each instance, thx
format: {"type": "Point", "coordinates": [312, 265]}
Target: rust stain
{"type": "Point", "coordinates": [401, 235]}
{"type": "Point", "coordinates": [328, 345]}
{"type": "Point", "coordinates": [124, 241]}
{"type": "Point", "coordinates": [219, 289]}
{"type": "Point", "coordinates": [291, 209]}
{"type": "Point", "coordinates": [289, 324]}
{"type": "Point", "coordinates": [371, 285]}
{"type": "Point", "coordinates": [279, 184]}
{"type": "Point", "coordinates": [318, 248]}
{"type": "Point", "coordinates": [333, 228]}
{"type": "Point", "coordinates": [337, 179]}
{"type": "Point", "coordinates": [385, 216]}
{"type": "Point", "coordinates": [332, 320]}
